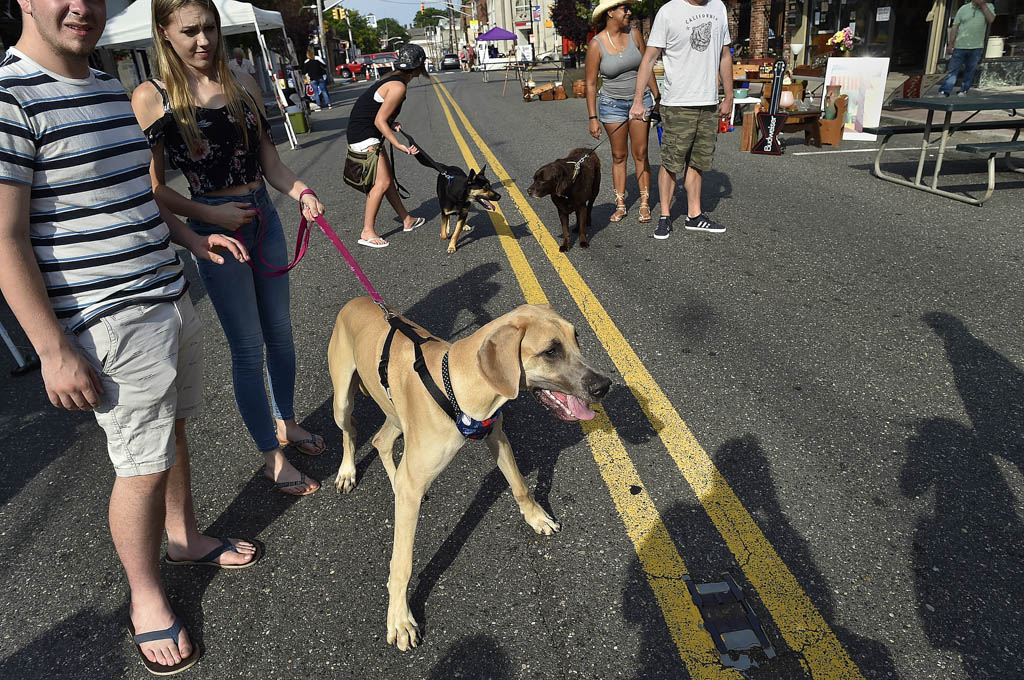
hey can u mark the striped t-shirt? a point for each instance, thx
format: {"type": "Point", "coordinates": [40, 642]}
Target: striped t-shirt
{"type": "Point", "coordinates": [95, 229]}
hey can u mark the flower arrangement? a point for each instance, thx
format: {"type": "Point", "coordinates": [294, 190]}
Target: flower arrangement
{"type": "Point", "coordinates": [842, 40]}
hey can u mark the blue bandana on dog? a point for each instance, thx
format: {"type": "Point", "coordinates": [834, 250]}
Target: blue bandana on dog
{"type": "Point", "coordinates": [476, 429]}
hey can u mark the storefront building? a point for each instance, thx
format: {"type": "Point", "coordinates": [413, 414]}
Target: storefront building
{"type": "Point", "coordinates": [911, 33]}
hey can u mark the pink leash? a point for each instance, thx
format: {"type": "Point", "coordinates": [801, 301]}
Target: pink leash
{"type": "Point", "coordinates": [302, 243]}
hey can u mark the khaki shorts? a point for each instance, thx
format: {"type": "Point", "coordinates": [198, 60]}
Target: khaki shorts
{"type": "Point", "coordinates": [689, 134]}
{"type": "Point", "coordinates": [149, 360]}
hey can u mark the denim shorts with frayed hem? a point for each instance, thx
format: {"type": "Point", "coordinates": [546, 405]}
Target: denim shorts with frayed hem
{"type": "Point", "coordinates": [612, 111]}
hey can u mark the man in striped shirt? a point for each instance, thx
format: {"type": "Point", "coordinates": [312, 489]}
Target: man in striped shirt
{"type": "Point", "coordinates": [87, 267]}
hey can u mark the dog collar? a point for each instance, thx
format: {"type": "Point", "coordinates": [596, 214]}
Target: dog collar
{"type": "Point", "coordinates": [468, 427]}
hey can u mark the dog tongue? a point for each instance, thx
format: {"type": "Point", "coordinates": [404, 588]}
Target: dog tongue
{"type": "Point", "coordinates": [579, 408]}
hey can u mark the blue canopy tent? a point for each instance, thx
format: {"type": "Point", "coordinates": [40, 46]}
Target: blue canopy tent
{"type": "Point", "coordinates": [497, 33]}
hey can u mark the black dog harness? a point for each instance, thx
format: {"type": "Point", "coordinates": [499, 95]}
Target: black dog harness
{"type": "Point", "coordinates": [468, 427]}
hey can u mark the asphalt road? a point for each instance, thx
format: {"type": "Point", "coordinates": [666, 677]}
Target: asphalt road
{"type": "Point", "coordinates": [826, 402]}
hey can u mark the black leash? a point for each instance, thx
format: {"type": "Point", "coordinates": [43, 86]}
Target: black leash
{"type": "Point", "coordinates": [579, 163]}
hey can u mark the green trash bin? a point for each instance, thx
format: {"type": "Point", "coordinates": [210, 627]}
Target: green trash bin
{"type": "Point", "coordinates": [298, 120]}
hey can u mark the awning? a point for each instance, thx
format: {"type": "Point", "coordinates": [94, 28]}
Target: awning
{"type": "Point", "coordinates": [496, 33]}
{"type": "Point", "coordinates": [132, 27]}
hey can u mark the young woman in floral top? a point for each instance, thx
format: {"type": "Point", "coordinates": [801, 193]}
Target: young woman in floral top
{"type": "Point", "coordinates": [214, 130]}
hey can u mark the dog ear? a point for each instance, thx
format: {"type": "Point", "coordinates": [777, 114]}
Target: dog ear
{"type": "Point", "coordinates": [498, 359]}
{"type": "Point", "coordinates": [563, 180]}
{"type": "Point", "coordinates": [472, 174]}
{"type": "Point", "coordinates": [482, 168]}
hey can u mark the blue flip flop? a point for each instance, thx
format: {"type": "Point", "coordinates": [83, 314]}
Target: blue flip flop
{"type": "Point", "coordinates": [168, 634]}
{"type": "Point", "coordinates": [208, 558]}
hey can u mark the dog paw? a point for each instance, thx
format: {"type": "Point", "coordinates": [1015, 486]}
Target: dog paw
{"type": "Point", "coordinates": [451, 249]}
{"type": "Point", "coordinates": [540, 521]}
{"type": "Point", "coordinates": [584, 244]}
{"type": "Point", "coordinates": [345, 480]}
{"type": "Point", "coordinates": [403, 631]}
{"type": "Point", "coordinates": [563, 248]}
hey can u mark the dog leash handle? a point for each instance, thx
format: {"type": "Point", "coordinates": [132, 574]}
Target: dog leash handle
{"type": "Point", "coordinates": [301, 243]}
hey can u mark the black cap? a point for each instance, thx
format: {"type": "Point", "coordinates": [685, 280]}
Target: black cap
{"type": "Point", "coordinates": [410, 57]}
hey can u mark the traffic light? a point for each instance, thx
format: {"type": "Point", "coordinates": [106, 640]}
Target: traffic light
{"type": "Point", "coordinates": [423, 6]}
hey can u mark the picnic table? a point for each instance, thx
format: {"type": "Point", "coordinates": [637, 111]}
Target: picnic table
{"type": "Point", "coordinates": [977, 104]}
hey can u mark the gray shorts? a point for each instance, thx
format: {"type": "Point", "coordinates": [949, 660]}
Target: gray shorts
{"type": "Point", "coordinates": [149, 360]}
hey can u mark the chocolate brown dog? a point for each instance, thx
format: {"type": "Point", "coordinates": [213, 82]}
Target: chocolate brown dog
{"type": "Point", "coordinates": [573, 188]}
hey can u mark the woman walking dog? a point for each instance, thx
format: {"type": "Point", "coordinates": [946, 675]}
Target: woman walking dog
{"type": "Point", "coordinates": [371, 123]}
{"type": "Point", "coordinates": [615, 53]}
{"type": "Point", "coordinates": [215, 131]}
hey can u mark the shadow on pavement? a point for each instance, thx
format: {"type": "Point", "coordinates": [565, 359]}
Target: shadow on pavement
{"type": "Point", "coordinates": [968, 554]}
{"type": "Point", "coordinates": [474, 657]}
{"type": "Point", "coordinates": [744, 464]}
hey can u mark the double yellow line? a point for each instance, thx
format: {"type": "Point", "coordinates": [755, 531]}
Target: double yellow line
{"type": "Point", "coordinates": [800, 623]}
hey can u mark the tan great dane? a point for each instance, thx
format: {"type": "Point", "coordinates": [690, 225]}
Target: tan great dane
{"type": "Point", "coordinates": [530, 348]}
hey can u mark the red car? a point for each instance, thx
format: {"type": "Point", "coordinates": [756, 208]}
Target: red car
{"type": "Point", "coordinates": [384, 60]}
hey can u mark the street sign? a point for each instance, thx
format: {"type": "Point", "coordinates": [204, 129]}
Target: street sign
{"type": "Point", "coordinates": [371, 20]}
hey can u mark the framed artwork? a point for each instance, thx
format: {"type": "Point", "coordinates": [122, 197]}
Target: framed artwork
{"type": "Point", "coordinates": [862, 79]}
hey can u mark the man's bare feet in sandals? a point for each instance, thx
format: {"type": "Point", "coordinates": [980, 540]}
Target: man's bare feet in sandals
{"type": "Point", "coordinates": [203, 550]}
{"type": "Point", "coordinates": [286, 478]}
{"type": "Point", "coordinates": [291, 434]}
{"type": "Point", "coordinates": [164, 652]}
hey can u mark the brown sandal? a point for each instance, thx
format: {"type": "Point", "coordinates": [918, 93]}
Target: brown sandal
{"type": "Point", "coordinates": [620, 208]}
{"type": "Point", "coordinates": [645, 209]}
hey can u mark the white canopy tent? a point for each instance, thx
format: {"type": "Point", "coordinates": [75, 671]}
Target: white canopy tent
{"type": "Point", "coordinates": [131, 29]}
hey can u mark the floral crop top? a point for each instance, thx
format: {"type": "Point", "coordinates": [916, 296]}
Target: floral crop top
{"type": "Point", "coordinates": [223, 160]}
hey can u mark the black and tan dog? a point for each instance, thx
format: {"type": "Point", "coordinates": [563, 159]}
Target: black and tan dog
{"type": "Point", "coordinates": [530, 348]}
{"type": "Point", "coordinates": [456, 192]}
{"type": "Point", "coordinates": [573, 188]}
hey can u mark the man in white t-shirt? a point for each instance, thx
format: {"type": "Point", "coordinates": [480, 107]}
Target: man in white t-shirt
{"type": "Point", "coordinates": [693, 36]}
{"type": "Point", "coordinates": [238, 64]}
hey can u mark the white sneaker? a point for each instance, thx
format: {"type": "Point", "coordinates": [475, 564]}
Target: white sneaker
{"type": "Point", "coordinates": [961, 93]}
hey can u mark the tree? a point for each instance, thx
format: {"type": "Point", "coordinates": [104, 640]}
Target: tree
{"type": "Point", "coordinates": [572, 20]}
{"type": "Point", "coordinates": [428, 17]}
{"type": "Point", "coordinates": [389, 28]}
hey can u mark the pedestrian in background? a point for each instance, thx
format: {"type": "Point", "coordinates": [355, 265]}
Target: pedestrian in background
{"type": "Point", "coordinates": [316, 72]}
{"type": "Point", "coordinates": [615, 52]}
{"type": "Point", "coordinates": [87, 267]}
{"type": "Point", "coordinates": [372, 121]}
{"type": "Point", "coordinates": [239, 64]}
{"type": "Point", "coordinates": [693, 36]}
{"type": "Point", "coordinates": [215, 131]}
{"type": "Point", "coordinates": [966, 44]}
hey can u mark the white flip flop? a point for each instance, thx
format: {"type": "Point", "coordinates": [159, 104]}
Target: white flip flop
{"type": "Point", "coordinates": [369, 243]}
{"type": "Point", "coordinates": [415, 225]}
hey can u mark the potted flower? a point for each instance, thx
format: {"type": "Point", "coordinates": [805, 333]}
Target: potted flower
{"type": "Point", "coordinates": [842, 42]}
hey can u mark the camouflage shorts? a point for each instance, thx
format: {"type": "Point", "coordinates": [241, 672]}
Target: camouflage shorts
{"type": "Point", "coordinates": [689, 136]}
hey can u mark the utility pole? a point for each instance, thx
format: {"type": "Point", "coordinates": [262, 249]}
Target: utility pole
{"type": "Point", "coordinates": [451, 25]}
{"type": "Point", "coordinates": [323, 38]}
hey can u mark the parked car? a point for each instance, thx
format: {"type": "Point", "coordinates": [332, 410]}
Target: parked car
{"type": "Point", "coordinates": [450, 61]}
{"type": "Point", "coordinates": [383, 60]}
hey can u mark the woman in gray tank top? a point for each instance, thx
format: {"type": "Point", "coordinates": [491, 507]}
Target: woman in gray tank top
{"type": "Point", "coordinates": [615, 53]}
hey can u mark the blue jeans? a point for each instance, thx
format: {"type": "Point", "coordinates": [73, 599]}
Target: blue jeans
{"type": "Point", "coordinates": [253, 310]}
{"type": "Point", "coordinates": [959, 60]}
{"type": "Point", "coordinates": [320, 92]}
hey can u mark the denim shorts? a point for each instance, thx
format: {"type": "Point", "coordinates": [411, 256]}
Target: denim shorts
{"type": "Point", "coordinates": [611, 110]}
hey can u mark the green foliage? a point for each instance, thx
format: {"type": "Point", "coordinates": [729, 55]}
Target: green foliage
{"type": "Point", "coordinates": [368, 39]}
{"type": "Point", "coordinates": [428, 17]}
{"type": "Point", "coordinates": [572, 19]}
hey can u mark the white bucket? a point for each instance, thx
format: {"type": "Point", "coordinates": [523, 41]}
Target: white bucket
{"type": "Point", "coordinates": [996, 46]}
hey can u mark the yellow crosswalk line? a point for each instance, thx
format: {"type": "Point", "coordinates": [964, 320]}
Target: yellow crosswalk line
{"type": "Point", "coordinates": [658, 557]}
{"type": "Point", "coordinates": [800, 623]}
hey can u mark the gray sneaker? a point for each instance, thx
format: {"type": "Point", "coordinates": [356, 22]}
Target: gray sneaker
{"type": "Point", "coordinates": [663, 229]}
